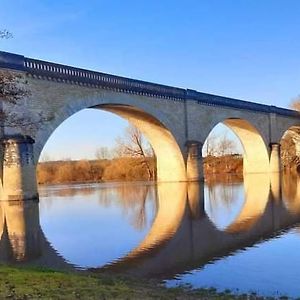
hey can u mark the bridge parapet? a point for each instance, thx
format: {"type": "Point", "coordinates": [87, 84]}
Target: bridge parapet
{"type": "Point", "coordinates": [58, 72]}
{"type": "Point", "coordinates": [216, 100]}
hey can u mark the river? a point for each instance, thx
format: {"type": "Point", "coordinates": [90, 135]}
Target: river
{"type": "Point", "coordinates": [242, 236]}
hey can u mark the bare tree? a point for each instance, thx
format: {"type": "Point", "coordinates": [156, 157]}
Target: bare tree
{"type": "Point", "coordinates": [45, 157]}
{"type": "Point", "coordinates": [133, 144]}
{"type": "Point", "coordinates": [295, 104]}
{"type": "Point", "coordinates": [5, 34]}
{"type": "Point", "coordinates": [225, 146]}
{"type": "Point", "coordinates": [210, 146]}
{"type": "Point", "coordinates": [13, 95]}
{"type": "Point", "coordinates": [290, 142]}
{"type": "Point", "coordinates": [219, 145]}
{"type": "Point", "coordinates": [103, 153]}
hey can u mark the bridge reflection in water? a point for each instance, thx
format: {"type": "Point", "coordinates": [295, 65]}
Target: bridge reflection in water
{"type": "Point", "coordinates": [185, 234]}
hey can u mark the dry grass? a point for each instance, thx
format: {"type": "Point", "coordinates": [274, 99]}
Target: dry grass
{"type": "Point", "coordinates": [121, 169]}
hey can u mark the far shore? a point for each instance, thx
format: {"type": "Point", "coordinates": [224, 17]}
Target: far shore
{"type": "Point", "coordinates": [127, 169]}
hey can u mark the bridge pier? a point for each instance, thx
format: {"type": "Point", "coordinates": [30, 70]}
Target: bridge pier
{"type": "Point", "coordinates": [275, 163]}
{"type": "Point", "coordinates": [195, 197]}
{"type": "Point", "coordinates": [18, 170]}
{"type": "Point", "coordinates": [194, 166]}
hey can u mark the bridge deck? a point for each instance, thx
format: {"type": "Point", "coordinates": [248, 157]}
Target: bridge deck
{"type": "Point", "coordinates": [72, 75]}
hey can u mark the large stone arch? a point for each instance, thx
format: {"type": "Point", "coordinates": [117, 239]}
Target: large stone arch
{"type": "Point", "coordinates": [256, 154]}
{"type": "Point", "coordinates": [170, 161]}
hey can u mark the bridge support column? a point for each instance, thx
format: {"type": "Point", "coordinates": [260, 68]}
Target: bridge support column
{"type": "Point", "coordinates": [194, 167]}
{"type": "Point", "coordinates": [18, 174]}
{"type": "Point", "coordinates": [275, 163]}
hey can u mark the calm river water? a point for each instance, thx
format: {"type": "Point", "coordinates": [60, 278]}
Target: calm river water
{"type": "Point", "coordinates": [239, 236]}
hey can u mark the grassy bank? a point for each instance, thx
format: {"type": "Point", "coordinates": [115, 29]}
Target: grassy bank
{"type": "Point", "coordinates": [21, 283]}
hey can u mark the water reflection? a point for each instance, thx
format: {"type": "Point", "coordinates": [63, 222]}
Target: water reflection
{"type": "Point", "coordinates": [20, 235]}
{"type": "Point", "coordinates": [190, 225]}
{"type": "Point", "coordinates": [22, 240]}
{"type": "Point", "coordinates": [291, 192]}
{"type": "Point", "coordinates": [223, 203]}
{"type": "Point", "coordinates": [179, 242]}
{"type": "Point", "coordinates": [257, 188]}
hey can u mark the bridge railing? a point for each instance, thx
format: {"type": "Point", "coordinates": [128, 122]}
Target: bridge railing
{"type": "Point", "coordinates": [216, 100]}
{"type": "Point", "coordinates": [67, 73]}
{"type": "Point", "coordinates": [80, 76]}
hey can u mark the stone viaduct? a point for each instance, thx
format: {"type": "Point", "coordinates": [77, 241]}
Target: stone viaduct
{"type": "Point", "coordinates": [176, 121]}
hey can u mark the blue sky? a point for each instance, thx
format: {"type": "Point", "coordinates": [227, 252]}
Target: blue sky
{"type": "Point", "coordinates": [247, 49]}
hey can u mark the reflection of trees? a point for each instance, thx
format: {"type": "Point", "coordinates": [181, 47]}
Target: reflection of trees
{"type": "Point", "coordinates": [52, 192]}
{"type": "Point", "coordinates": [291, 191]}
{"type": "Point", "coordinates": [213, 179]}
{"type": "Point", "coordinates": [132, 199]}
{"type": "Point", "coordinates": [222, 193]}
{"type": "Point", "coordinates": [139, 218]}
{"type": "Point", "coordinates": [67, 190]}
{"type": "Point", "coordinates": [222, 200]}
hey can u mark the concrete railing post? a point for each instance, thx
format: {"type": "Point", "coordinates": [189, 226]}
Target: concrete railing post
{"type": "Point", "coordinates": [194, 166]}
{"type": "Point", "coordinates": [18, 174]}
{"type": "Point", "coordinates": [275, 163]}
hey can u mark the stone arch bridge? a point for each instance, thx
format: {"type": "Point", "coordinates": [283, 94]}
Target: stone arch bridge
{"type": "Point", "coordinates": [176, 121]}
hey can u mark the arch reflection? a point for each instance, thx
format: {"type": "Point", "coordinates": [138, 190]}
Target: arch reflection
{"type": "Point", "coordinates": [182, 236]}
{"type": "Point", "coordinates": [22, 240]}
{"type": "Point", "coordinates": [198, 241]}
{"type": "Point", "coordinates": [257, 188]}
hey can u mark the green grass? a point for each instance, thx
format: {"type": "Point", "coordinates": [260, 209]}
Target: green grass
{"type": "Point", "coordinates": [33, 283]}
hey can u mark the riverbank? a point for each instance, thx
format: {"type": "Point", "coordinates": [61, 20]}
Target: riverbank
{"type": "Point", "coordinates": [33, 283]}
{"type": "Point", "coordinates": [117, 169]}
{"type": "Point", "coordinates": [124, 169]}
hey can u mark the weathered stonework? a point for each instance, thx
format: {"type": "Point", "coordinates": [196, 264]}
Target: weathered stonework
{"type": "Point", "coordinates": [18, 168]}
{"type": "Point", "coordinates": [18, 151]}
{"type": "Point", "coordinates": [194, 165]}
